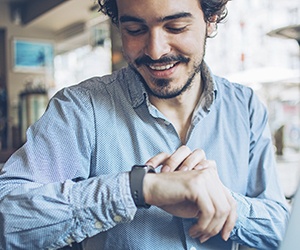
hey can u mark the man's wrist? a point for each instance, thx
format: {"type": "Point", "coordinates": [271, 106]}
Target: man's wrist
{"type": "Point", "coordinates": [147, 185]}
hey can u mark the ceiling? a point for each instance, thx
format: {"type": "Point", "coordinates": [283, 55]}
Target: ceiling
{"type": "Point", "coordinates": [54, 15]}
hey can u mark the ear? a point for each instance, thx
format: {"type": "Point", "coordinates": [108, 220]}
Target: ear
{"type": "Point", "coordinates": [211, 25]}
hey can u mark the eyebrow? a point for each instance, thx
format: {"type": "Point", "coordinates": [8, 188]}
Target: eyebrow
{"type": "Point", "coordinates": [127, 18]}
{"type": "Point", "coordinates": [177, 16]}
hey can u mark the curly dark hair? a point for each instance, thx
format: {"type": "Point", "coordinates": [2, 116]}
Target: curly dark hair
{"type": "Point", "coordinates": [210, 8]}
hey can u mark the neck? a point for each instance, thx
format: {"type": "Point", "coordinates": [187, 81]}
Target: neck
{"type": "Point", "coordinates": [179, 110]}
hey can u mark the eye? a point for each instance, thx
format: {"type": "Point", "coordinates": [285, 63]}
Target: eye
{"type": "Point", "coordinates": [177, 26]}
{"type": "Point", "coordinates": [177, 30]}
{"type": "Point", "coordinates": [135, 30]}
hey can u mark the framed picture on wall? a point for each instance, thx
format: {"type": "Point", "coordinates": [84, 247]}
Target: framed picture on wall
{"type": "Point", "coordinates": [33, 56]}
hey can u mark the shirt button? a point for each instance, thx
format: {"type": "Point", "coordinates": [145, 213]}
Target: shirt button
{"type": "Point", "coordinates": [166, 123]}
{"type": "Point", "coordinates": [70, 241]}
{"type": "Point", "coordinates": [193, 248]}
{"type": "Point", "coordinates": [117, 218]}
{"type": "Point", "coordinates": [98, 224]}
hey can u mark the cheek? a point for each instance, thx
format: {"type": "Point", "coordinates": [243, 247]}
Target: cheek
{"type": "Point", "coordinates": [190, 43]}
{"type": "Point", "coordinates": [186, 45]}
{"type": "Point", "coordinates": [132, 48]}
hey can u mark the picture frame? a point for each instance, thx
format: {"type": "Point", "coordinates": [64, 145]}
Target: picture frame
{"type": "Point", "coordinates": [32, 55]}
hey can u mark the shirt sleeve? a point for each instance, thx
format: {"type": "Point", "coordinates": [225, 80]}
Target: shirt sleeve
{"type": "Point", "coordinates": [47, 199]}
{"type": "Point", "coordinates": [263, 211]}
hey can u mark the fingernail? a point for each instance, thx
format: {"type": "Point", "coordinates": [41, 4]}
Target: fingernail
{"type": "Point", "coordinates": [195, 234]}
{"type": "Point", "coordinates": [226, 236]}
{"type": "Point", "coordinates": [166, 168]}
{"type": "Point", "coordinates": [198, 167]}
{"type": "Point", "coordinates": [184, 168]}
{"type": "Point", "coordinates": [203, 238]}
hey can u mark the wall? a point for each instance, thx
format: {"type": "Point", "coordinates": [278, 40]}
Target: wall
{"type": "Point", "coordinates": [16, 80]}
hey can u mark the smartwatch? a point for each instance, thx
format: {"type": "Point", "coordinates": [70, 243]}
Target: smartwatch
{"type": "Point", "coordinates": [136, 178]}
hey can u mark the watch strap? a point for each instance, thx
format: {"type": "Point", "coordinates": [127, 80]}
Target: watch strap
{"type": "Point", "coordinates": [136, 178]}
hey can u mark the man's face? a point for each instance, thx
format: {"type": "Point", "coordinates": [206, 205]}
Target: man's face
{"type": "Point", "coordinates": [164, 41]}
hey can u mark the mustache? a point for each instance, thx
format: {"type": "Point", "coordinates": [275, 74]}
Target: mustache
{"type": "Point", "coordinates": [143, 60]}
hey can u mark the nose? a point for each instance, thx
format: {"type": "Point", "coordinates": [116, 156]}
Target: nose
{"type": "Point", "coordinates": [157, 45]}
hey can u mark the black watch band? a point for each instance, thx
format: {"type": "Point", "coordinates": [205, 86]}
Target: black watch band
{"type": "Point", "coordinates": [136, 178]}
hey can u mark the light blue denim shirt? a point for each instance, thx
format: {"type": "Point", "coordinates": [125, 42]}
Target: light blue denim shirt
{"type": "Point", "coordinates": [70, 181]}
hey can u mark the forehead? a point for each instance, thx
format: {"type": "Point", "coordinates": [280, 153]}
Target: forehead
{"type": "Point", "coordinates": [150, 10]}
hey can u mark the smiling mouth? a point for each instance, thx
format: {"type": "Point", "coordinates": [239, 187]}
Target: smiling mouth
{"type": "Point", "coordinates": [161, 67]}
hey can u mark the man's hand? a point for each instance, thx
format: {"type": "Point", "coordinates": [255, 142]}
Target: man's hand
{"type": "Point", "coordinates": [191, 194]}
{"type": "Point", "coordinates": [182, 159]}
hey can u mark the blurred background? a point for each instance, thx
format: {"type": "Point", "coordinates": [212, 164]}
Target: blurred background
{"type": "Point", "coordinates": [258, 46]}
{"type": "Point", "coordinates": [47, 45]}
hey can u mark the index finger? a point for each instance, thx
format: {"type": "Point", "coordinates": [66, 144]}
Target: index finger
{"type": "Point", "coordinates": [176, 159]}
{"type": "Point", "coordinates": [231, 220]}
{"type": "Point", "coordinates": [195, 160]}
{"type": "Point", "coordinates": [158, 159]}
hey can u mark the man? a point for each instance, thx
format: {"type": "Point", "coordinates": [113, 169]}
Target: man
{"type": "Point", "coordinates": [215, 183]}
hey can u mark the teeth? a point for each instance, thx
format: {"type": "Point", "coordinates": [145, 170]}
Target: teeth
{"type": "Point", "coordinates": [161, 67]}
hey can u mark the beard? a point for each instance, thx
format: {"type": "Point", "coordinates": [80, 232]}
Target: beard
{"type": "Point", "coordinates": [163, 87]}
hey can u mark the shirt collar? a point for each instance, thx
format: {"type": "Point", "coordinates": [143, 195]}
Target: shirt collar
{"type": "Point", "coordinates": [137, 91]}
{"type": "Point", "coordinates": [209, 88]}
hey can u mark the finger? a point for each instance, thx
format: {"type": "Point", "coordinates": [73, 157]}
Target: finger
{"type": "Point", "coordinates": [205, 216]}
{"type": "Point", "coordinates": [217, 223]}
{"type": "Point", "coordinates": [193, 160]}
{"type": "Point", "coordinates": [224, 218]}
{"type": "Point", "coordinates": [220, 216]}
{"type": "Point", "coordinates": [230, 222]}
{"type": "Point", "coordinates": [229, 225]}
{"type": "Point", "coordinates": [176, 159]}
{"type": "Point", "coordinates": [158, 159]}
{"type": "Point", "coordinates": [213, 165]}
{"type": "Point", "coordinates": [202, 165]}
{"type": "Point", "coordinates": [220, 199]}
